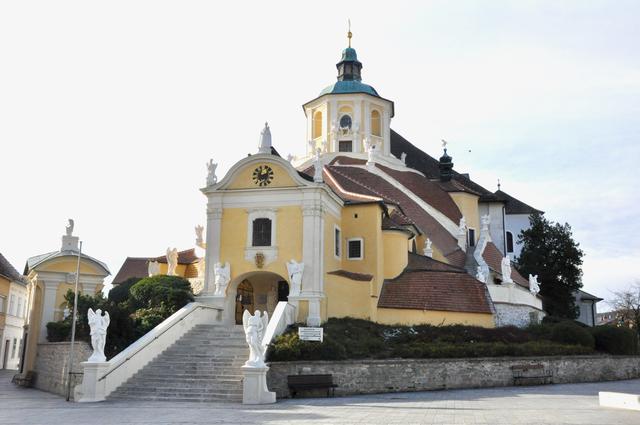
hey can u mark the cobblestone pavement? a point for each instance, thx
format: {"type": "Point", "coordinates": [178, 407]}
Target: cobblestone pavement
{"type": "Point", "coordinates": [551, 404]}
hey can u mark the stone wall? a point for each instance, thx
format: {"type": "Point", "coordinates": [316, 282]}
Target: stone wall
{"type": "Point", "coordinates": [52, 362]}
{"type": "Point", "coordinates": [397, 375]}
{"type": "Point", "coordinates": [516, 314]}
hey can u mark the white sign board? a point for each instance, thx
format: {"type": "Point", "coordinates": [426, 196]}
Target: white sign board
{"type": "Point", "coordinates": [310, 334]}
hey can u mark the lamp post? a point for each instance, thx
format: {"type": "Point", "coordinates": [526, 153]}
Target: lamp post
{"type": "Point", "coordinates": [73, 324]}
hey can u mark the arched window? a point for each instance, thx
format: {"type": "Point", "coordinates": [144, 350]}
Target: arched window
{"type": "Point", "coordinates": [509, 242]}
{"type": "Point", "coordinates": [261, 232]}
{"type": "Point", "coordinates": [376, 126]}
{"type": "Point", "coordinates": [317, 125]}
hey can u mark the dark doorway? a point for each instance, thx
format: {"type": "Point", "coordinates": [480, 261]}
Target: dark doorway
{"type": "Point", "coordinates": [244, 300]}
{"type": "Point", "coordinates": [283, 290]}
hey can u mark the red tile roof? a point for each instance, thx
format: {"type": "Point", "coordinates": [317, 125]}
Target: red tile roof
{"type": "Point", "coordinates": [359, 180]}
{"type": "Point", "coordinates": [139, 266]}
{"type": "Point", "coordinates": [435, 290]}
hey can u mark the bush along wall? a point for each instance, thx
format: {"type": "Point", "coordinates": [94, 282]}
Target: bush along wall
{"type": "Point", "coordinates": [349, 338]}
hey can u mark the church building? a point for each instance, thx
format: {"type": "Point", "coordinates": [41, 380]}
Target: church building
{"type": "Point", "coordinates": [363, 225]}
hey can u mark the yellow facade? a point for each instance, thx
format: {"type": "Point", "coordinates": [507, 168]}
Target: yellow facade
{"type": "Point", "coordinates": [397, 316]}
{"type": "Point", "coordinates": [244, 179]}
{"type": "Point", "coordinates": [395, 252]}
{"type": "Point", "coordinates": [346, 298]}
{"type": "Point", "coordinates": [468, 206]}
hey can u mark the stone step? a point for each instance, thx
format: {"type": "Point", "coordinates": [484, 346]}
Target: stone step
{"type": "Point", "coordinates": [191, 376]}
{"type": "Point", "coordinates": [193, 399]}
{"type": "Point", "coordinates": [191, 386]}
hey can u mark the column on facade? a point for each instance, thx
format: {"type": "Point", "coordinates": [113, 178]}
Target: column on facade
{"type": "Point", "coordinates": [367, 120]}
{"type": "Point", "coordinates": [333, 112]}
{"type": "Point", "coordinates": [212, 256]}
{"type": "Point", "coordinates": [386, 132]}
{"type": "Point", "coordinates": [48, 307]}
{"type": "Point", "coordinates": [312, 251]}
{"type": "Point", "coordinates": [357, 115]}
{"type": "Point", "coordinates": [309, 130]}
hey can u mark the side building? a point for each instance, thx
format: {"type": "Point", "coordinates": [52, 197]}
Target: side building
{"type": "Point", "coordinates": [13, 310]}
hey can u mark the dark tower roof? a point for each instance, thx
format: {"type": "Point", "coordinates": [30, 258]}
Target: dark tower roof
{"type": "Point", "coordinates": [446, 167]}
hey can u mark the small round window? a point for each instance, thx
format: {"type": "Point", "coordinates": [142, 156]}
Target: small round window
{"type": "Point", "coordinates": [345, 121]}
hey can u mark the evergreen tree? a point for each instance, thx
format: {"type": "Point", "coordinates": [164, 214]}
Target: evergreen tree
{"type": "Point", "coordinates": [550, 252]}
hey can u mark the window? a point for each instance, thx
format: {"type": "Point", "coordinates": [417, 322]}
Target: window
{"type": "Point", "coordinates": [3, 301]}
{"type": "Point", "coordinates": [472, 237]}
{"type": "Point", "coordinates": [317, 125]}
{"type": "Point", "coordinates": [345, 146]}
{"type": "Point", "coordinates": [337, 242]}
{"type": "Point", "coordinates": [12, 305]}
{"type": "Point", "coordinates": [375, 123]}
{"type": "Point", "coordinates": [13, 348]}
{"type": "Point", "coordinates": [509, 242]}
{"type": "Point", "coordinates": [355, 248]}
{"type": "Point", "coordinates": [345, 122]}
{"type": "Point", "coordinates": [19, 310]}
{"type": "Point", "coordinates": [261, 232]}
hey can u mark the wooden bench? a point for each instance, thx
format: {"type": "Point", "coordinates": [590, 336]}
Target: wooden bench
{"type": "Point", "coordinates": [311, 382]}
{"type": "Point", "coordinates": [535, 374]}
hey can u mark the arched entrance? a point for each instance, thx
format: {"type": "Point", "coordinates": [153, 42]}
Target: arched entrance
{"type": "Point", "coordinates": [255, 291]}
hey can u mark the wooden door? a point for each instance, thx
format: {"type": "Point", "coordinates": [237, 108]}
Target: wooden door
{"type": "Point", "coordinates": [244, 300]}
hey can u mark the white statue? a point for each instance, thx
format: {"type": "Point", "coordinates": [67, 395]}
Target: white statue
{"type": "Point", "coordinates": [462, 227]}
{"type": "Point", "coordinates": [534, 285]}
{"type": "Point", "coordinates": [153, 268]}
{"type": "Point", "coordinates": [317, 168]}
{"type": "Point", "coordinates": [221, 277]}
{"type": "Point", "coordinates": [403, 157]}
{"type": "Point", "coordinates": [325, 145]}
{"type": "Point", "coordinates": [481, 275]}
{"type": "Point", "coordinates": [211, 173]}
{"type": "Point", "coordinates": [290, 158]}
{"type": "Point", "coordinates": [506, 270]}
{"type": "Point", "coordinates": [295, 271]}
{"type": "Point", "coordinates": [69, 227]}
{"type": "Point", "coordinates": [172, 261]}
{"type": "Point", "coordinates": [98, 324]}
{"type": "Point", "coordinates": [312, 146]}
{"type": "Point", "coordinates": [254, 328]}
{"type": "Point", "coordinates": [199, 239]}
{"type": "Point", "coordinates": [428, 251]}
{"type": "Point", "coordinates": [264, 146]}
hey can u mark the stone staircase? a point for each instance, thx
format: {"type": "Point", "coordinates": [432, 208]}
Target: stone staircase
{"type": "Point", "coordinates": [203, 365]}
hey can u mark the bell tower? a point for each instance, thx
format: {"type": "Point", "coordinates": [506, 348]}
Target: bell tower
{"type": "Point", "coordinates": [349, 116]}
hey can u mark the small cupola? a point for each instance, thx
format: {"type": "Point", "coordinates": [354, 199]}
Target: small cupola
{"type": "Point", "coordinates": [349, 68]}
{"type": "Point", "coordinates": [445, 165]}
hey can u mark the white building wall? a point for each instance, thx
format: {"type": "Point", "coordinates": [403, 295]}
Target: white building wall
{"type": "Point", "coordinates": [15, 313]}
{"type": "Point", "coordinates": [497, 228]}
{"type": "Point", "coordinates": [515, 223]}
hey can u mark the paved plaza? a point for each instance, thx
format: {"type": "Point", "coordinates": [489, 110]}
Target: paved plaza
{"type": "Point", "coordinates": [552, 404]}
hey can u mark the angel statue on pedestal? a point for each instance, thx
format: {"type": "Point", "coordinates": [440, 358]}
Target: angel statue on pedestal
{"type": "Point", "coordinates": [254, 329]}
{"type": "Point", "coordinates": [98, 323]}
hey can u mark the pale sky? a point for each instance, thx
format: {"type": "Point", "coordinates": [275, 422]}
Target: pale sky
{"type": "Point", "coordinates": [110, 110]}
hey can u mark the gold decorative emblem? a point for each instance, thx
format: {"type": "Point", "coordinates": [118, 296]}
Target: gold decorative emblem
{"type": "Point", "coordinates": [259, 260]}
{"type": "Point", "coordinates": [263, 175]}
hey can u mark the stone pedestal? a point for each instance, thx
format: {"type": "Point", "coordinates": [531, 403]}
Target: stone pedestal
{"type": "Point", "coordinates": [93, 389]}
{"type": "Point", "coordinates": [254, 386]}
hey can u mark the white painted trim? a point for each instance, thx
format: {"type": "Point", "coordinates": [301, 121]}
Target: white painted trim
{"type": "Point", "coordinates": [339, 256]}
{"type": "Point", "coordinates": [361, 240]}
{"type": "Point", "coordinates": [270, 252]}
{"type": "Point", "coordinates": [472, 244]}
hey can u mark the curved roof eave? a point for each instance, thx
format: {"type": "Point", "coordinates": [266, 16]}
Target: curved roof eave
{"type": "Point", "coordinates": [342, 94]}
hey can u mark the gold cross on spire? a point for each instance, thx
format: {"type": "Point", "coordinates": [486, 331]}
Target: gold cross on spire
{"type": "Point", "coordinates": [349, 35]}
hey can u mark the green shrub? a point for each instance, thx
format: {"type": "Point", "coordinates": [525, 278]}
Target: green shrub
{"type": "Point", "coordinates": [615, 340]}
{"type": "Point", "coordinates": [163, 293]}
{"type": "Point", "coordinates": [569, 333]}
{"type": "Point", "coordinates": [288, 347]}
{"type": "Point", "coordinates": [120, 292]}
{"type": "Point", "coordinates": [59, 331]}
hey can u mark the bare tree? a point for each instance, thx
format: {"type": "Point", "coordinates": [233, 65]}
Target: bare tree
{"type": "Point", "coordinates": [626, 305]}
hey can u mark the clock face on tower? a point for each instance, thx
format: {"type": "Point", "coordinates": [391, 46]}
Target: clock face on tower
{"type": "Point", "coordinates": [262, 175]}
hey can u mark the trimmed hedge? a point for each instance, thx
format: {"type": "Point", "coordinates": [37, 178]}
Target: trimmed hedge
{"type": "Point", "coordinates": [58, 331]}
{"type": "Point", "coordinates": [350, 338]}
{"type": "Point", "coordinates": [615, 340]}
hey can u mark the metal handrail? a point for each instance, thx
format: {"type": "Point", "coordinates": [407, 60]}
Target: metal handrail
{"type": "Point", "coordinates": [156, 337]}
